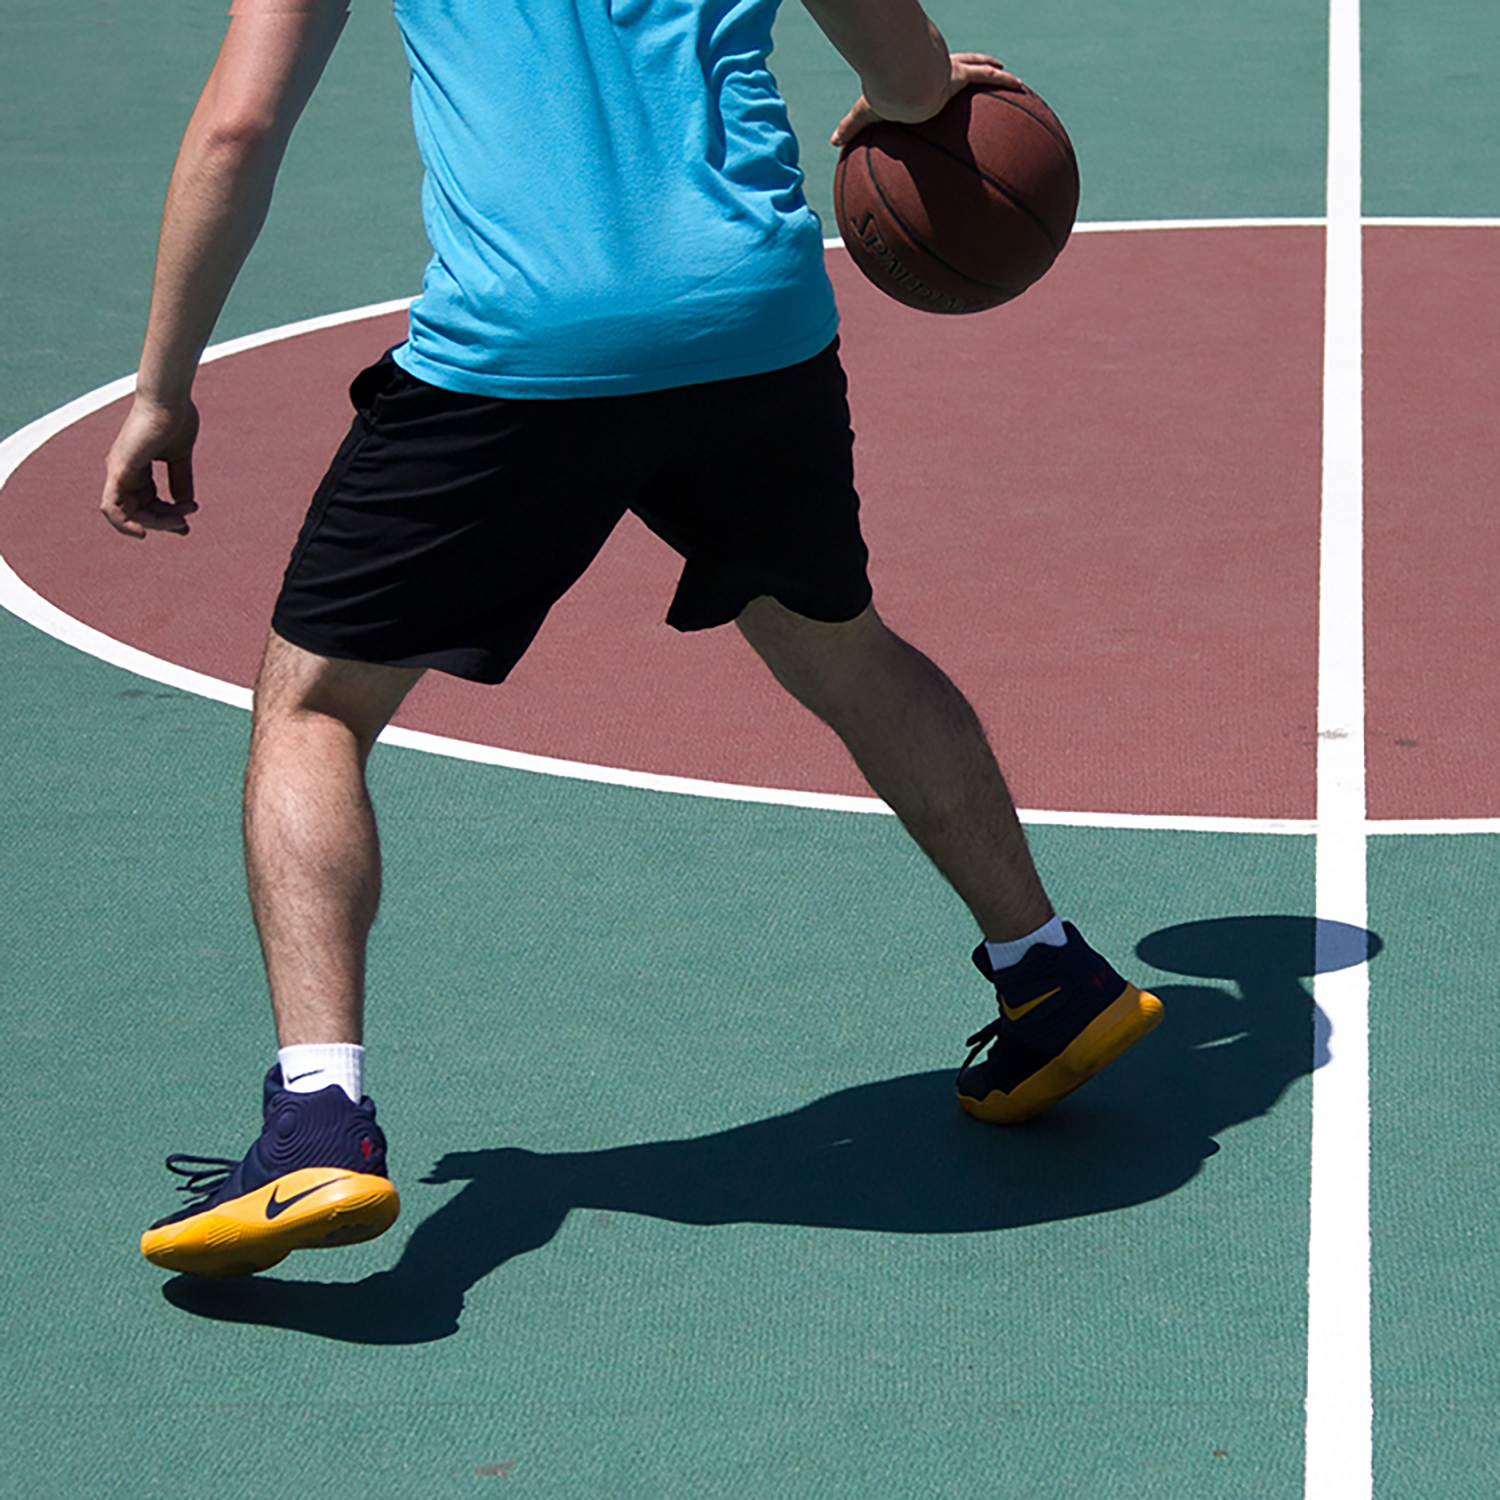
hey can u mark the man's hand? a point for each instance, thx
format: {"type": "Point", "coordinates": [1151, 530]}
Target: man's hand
{"type": "Point", "coordinates": [152, 434]}
{"type": "Point", "coordinates": [273, 54]}
{"type": "Point", "coordinates": [966, 69]}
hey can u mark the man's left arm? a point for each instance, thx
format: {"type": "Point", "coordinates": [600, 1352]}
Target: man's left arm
{"type": "Point", "coordinates": [273, 54]}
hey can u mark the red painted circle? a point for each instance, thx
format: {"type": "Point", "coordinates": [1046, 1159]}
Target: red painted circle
{"type": "Point", "coordinates": [1097, 508]}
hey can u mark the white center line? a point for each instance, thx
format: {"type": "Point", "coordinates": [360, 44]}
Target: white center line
{"type": "Point", "coordinates": [1339, 1406]}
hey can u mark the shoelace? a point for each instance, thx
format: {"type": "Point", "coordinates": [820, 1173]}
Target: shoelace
{"type": "Point", "coordinates": [981, 1038]}
{"type": "Point", "coordinates": [205, 1174]}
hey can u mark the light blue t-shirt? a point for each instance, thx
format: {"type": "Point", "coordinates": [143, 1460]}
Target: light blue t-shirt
{"type": "Point", "coordinates": [612, 195]}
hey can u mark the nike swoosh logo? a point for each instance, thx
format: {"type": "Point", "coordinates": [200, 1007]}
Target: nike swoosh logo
{"type": "Point", "coordinates": [276, 1207]}
{"type": "Point", "coordinates": [311, 1073]}
{"type": "Point", "coordinates": [1015, 1013]}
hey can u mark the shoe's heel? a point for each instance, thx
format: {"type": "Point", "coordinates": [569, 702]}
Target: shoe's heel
{"type": "Point", "coordinates": [1136, 1014]}
{"type": "Point", "coordinates": [1117, 1028]}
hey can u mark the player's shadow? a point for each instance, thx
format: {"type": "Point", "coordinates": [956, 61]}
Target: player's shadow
{"type": "Point", "coordinates": [895, 1156]}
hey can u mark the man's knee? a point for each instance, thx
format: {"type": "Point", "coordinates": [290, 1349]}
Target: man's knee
{"type": "Point", "coordinates": [818, 662]}
{"type": "Point", "coordinates": [359, 695]}
{"type": "Point", "coordinates": [771, 627]}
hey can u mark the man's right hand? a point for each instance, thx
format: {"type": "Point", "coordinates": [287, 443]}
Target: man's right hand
{"type": "Point", "coordinates": [906, 71]}
{"type": "Point", "coordinates": [152, 434]}
{"type": "Point", "coordinates": [966, 69]}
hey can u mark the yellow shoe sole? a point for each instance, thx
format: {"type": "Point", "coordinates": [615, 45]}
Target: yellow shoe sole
{"type": "Point", "coordinates": [310, 1209]}
{"type": "Point", "coordinates": [1113, 1031]}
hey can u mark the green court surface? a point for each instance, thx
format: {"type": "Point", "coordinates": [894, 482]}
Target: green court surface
{"type": "Point", "coordinates": [724, 1228]}
{"type": "Point", "coordinates": [1435, 1100]}
{"type": "Point", "coordinates": [688, 1209]}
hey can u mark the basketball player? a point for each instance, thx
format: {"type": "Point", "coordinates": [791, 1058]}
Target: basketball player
{"type": "Point", "coordinates": [626, 308]}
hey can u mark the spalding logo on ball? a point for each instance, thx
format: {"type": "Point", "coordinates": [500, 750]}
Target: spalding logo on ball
{"type": "Point", "coordinates": [964, 211]}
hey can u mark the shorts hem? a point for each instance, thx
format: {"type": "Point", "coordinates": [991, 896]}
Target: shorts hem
{"type": "Point", "coordinates": [711, 617]}
{"type": "Point", "coordinates": [471, 665]}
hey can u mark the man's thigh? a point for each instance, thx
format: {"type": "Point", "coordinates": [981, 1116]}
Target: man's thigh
{"type": "Point", "coordinates": [755, 488]}
{"type": "Point", "coordinates": [446, 528]}
{"type": "Point", "coordinates": [449, 524]}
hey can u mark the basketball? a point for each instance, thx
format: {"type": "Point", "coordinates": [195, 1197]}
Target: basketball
{"type": "Point", "coordinates": [964, 211]}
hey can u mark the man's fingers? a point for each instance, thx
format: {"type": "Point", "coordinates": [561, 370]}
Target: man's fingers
{"type": "Point", "coordinates": [123, 524]}
{"type": "Point", "coordinates": [135, 510]}
{"type": "Point", "coordinates": [180, 483]}
{"type": "Point", "coordinates": [151, 434]}
{"type": "Point", "coordinates": [165, 515]}
{"type": "Point", "coordinates": [156, 514]}
{"type": "Point", "coordinates": [852, 123]}
{"type": "Point", "coordinates": [123, 495]}
{"type": "Point", "coordinates": [979, 68]}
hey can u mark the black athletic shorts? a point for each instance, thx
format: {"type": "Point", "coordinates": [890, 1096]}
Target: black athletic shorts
{"type": "Point", "coordinates": [449, 524]}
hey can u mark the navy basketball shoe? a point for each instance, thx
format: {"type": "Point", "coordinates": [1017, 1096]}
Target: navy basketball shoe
{"type": "Point", "coordinates": [1064, 1015]}
{"type": "Point", "coordinates": [316, 1177]}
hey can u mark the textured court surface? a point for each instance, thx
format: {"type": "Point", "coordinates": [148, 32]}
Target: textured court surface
{"type": "Point", "coordinates": [688, 1210]}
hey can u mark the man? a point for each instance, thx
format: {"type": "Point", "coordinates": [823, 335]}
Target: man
{"type": "Point", "coordinates": [626, 308]}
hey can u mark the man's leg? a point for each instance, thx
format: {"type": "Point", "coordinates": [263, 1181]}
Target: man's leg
{"type": "Point", "coordinates": [316, 1175]}
{"type": "Point", "coordinates": [921, 748]}
{"type": "Point", "coordinates": [1064, 1012]}
{"type": "Point", "coordinates": [311, 848]}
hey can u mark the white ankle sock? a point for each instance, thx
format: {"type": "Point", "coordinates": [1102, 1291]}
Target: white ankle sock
{"type": "Point", "coordinates": [307, 1068]}
{"type": "Point", "coordinates": [1003, 955]}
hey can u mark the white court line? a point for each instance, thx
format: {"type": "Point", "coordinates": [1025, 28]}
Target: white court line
{"type": "Point", "coordinates": [1431, 223]}
{"type": "Point", "coordinates": [1117, 226]}
{"type": "Point", "coordinates": [1136, 226]}
{"type": "Point", "coordinates": [686, 786]}
{"type": "Point", "coordinates": [1378, 827]}
{"type": "Point", "coordinates": [1105, 226]}
{"type": "Point", "coordinates": [1338, 1463]}
{"type": "Point", "coordinates": [1156, 226]}
{"type": "Point", "coordinates": [306, 325]}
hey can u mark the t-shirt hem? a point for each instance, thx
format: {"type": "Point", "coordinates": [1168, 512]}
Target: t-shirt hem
{"type": "Point", "coordinates": [661, 378]}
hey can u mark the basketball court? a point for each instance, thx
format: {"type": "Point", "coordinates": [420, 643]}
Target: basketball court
{"type": "Point", "coordinates": [665, 1009]}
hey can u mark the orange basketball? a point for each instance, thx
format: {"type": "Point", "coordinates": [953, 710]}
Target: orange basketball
{"type": "Point", "coordinates": [964, 211]}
